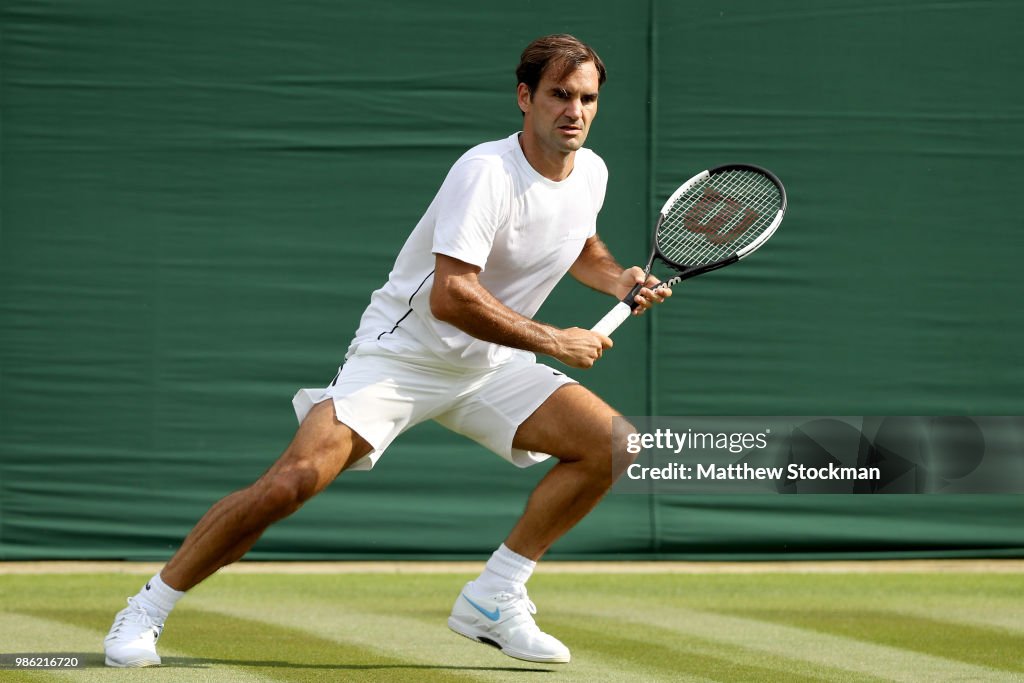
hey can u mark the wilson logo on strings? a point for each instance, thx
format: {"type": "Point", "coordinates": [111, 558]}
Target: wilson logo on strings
{"type": "Point", "coordinates": [715, 212]}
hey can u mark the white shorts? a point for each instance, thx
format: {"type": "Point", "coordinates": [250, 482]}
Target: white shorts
{"type": "Point", "coordinates": [380, 395]}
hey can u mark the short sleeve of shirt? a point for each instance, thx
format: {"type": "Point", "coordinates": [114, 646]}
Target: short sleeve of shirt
{"type": "Point", "coordinates": [472, 204]}
{"type": "Point", "coordinates": [599, 186]}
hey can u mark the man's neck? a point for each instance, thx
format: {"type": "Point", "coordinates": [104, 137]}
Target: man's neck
{"type": "Point", "coordinates": [554, 166]}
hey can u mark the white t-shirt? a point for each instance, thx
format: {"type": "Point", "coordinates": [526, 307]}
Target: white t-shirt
{"type": "Point", "coordinates": [493, 211]}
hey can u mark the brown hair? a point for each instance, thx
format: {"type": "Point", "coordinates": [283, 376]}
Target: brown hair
{"type": "Point", "coordinates": [560, 51]}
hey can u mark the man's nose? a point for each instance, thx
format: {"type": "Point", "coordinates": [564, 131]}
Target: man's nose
{"type": "Point", "coordinates": [574, 108]}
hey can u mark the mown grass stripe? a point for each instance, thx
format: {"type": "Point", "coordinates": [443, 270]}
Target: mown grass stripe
{"type": "Point", "coordinates": [624, 628]}
{"type": "Point", "coordinates": [613, 657]}
{"type": "Point", "coordinates": [690, 657]}
{"type": "Point", "coordinates": [31, 632]}
{"type": "Point", "coordinates": [988, 608]}
{"type": "Point", "coordinates": [296, 650]}
{"type": "Point", "coordinates": [423, 639]}
{"type": "Point", "coordinates": [376, 608]}
{"type": "Point", "coordinates": [998, 595]}
{"type": "Point", "coordinates": [400, 617]}
{"type": "Point", "coordinates": [257, 650]}
{"type": "Point", "coordinates": [393, 648]}
{"type": "Point", "coordinates": [811, 646]}
{"type": "Point", "coordinates": [984, 646]}
{"type": "Point", "coordinates": [100, 596]}
{"type": "Point", "coordinates": [1012, 624]}
{"type": "Point", "coordinates": [420, 597]}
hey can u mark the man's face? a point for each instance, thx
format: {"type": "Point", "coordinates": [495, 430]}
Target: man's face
{"type": "Point", "coordinates": [558, 116]}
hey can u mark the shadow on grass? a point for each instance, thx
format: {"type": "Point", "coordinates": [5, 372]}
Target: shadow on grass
{"type": "Point", "coordinates": [203, 663]}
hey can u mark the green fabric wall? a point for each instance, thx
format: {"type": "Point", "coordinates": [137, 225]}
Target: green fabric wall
{"type": "Point", "coordinates": [197, 199]}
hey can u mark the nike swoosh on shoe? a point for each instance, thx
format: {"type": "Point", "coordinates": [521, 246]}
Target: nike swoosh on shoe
{"type": "Point", "coordinates": [493, 615]}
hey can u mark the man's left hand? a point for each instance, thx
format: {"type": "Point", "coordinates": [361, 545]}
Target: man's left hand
{"type": "Point", "coordinates": [647, 296]}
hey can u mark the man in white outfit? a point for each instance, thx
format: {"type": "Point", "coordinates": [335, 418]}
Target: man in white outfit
{"type": "Point", "coordinates": [450, 337]}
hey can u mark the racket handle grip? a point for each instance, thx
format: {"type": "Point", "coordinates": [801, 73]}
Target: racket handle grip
{"type": "Point", "coordinates": [612, 319]}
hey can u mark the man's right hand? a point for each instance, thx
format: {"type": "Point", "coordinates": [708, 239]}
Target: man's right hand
{"type": "Point", "coordinates": [580, 348]}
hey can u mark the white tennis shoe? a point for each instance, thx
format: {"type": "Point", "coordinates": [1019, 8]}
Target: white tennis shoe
{"type": "Point", "coordinates": [505, 621]}
{"type": "Point", "coordinates": [132, 639]}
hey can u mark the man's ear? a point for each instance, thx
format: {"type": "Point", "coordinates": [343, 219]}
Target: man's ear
{"type": "Point", "coordinates": [523, 97]}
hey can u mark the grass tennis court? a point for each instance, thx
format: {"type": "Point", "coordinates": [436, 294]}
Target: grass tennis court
{"type": "Point", "coordinates": [620, 626]}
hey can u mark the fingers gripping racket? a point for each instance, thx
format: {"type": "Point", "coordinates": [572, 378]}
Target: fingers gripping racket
{"type": "Point", "coordinates": [713, 220]}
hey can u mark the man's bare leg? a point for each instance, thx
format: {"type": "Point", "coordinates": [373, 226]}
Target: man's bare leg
{"type": "Point", "coordinates": [321, 449]}
{"type": "Point", "coordinates": [575, 426]}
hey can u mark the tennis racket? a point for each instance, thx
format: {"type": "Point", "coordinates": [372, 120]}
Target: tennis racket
{"type": "Point", "coordinates": [713, 220]}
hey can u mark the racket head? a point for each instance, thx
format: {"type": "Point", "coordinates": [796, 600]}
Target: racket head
{"type": "Point", "coordinates": [719, 216]}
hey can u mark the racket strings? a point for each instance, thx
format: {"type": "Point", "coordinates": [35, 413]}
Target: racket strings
{"type": "Point", "coordinates": [717, 217]}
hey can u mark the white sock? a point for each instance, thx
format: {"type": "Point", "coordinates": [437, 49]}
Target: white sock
{"type": "Point", "coordinates": [158, 599]}
{"type": "Point", "coordinates": [505, 571]}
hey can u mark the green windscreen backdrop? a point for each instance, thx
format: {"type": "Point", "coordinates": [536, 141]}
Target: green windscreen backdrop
{"type": "Point", "coordinates": [199, 197]}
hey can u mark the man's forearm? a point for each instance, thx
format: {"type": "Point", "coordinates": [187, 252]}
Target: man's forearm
{"type": "Point", "coordinates": [596, 268]}
{"type": "Point", "coordinates": [476, 311]}
{"type": "Point", "coordinates": [458, 298]}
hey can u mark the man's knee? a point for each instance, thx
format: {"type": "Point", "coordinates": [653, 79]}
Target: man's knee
{"type": "Point", "coordinates": [607, 446]}
{"type": "Point", "coordinates": [592, 460]}
{"type": "Point", "coordinates": [280, 493]}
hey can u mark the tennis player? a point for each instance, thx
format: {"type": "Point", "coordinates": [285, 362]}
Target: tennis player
{"type": "Point", "coordinates": [451, 337]}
